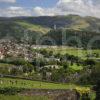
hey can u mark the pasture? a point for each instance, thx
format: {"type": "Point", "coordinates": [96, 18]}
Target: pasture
{"type": "Point", "coordinates": [75, 67]}
{"type": "Point", "coordinates": [28, 84]}
{"type": "Point", "coordinates": [70, 50]}
{"type": "Point", "coordinates": [17, 97]}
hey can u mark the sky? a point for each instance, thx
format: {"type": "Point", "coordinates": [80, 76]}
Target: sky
{"type": "Point", "coordinates": [12, 8]}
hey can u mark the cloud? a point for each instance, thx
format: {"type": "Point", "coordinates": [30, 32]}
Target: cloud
{"type": "Point", "coordinates": [76, 6]}
{"type": "Point", "coordinates": [64, 7]}
{"type": "Point", "coordinates": [38, 11]}
{"type": "Point", "coordinates": [8, 1]}
{"type": "Point", "coordinates": [15, 11]}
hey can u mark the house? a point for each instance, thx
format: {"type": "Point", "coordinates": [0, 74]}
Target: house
{"type": "Point", "coordinates": [1, 53]}
{"type": "Point", "coordinates": [53, 66]}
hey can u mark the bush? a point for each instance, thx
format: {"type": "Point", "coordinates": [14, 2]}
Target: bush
{"type": "Point", "coordinates": [10, 90]}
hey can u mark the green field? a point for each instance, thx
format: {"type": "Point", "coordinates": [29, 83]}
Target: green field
{"type": "Point", "coordinates": [33, 27]}
{"type": "Point", "coordinates": [28, 84]}
{"type": "Point", "coordinates": [72, 51]}
{"type": "Point", "coordinates": [75, 67]}
{"type": "Point", "coordinates": [6, 65]}
{"type": "Point", "coordinates": [76, 52]}
{"type": "Point", "coordinates": [33, 84]}
{"type": "Point", "coordinates": [17, 97]}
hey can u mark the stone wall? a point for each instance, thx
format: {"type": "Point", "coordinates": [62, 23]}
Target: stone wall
{"type": "Point", "coordinates": [56, 94]}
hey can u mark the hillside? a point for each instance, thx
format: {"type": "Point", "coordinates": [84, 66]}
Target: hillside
{"type": "Point", "coordinates": [74, 38]}
{"type": "Point", "coordinates": [33, 27]}
{"type": "Point", "coordinates": [70, 21]}
{"type": "Point", "coordinates": [20, 29]}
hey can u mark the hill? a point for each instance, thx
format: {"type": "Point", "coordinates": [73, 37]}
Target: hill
{"type": "Point", "coordinates": [33, 27]}
{"type": "Point", "coordinates": [70, 22]}
{"type": "Point", "coordinates": [20, 29]}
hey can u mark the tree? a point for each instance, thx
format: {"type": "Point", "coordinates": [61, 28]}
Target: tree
{"type": "Point", "coordinates": [28, 68]}
{"type": "Point", "coordinates": [89, 62]}
{"type": "Point", "coordinates": [50, 53]}
{"type": "Point", "coordinates": [40, 62]}
{"type": "Point", "coordinates": [65, 65]}
{"type": "Point", "coordinates": [58, 75]}
{"type": "Point", "coordinates": [58, 55]}
{"type": "Point", "coordinates": [15, 71]}
{"type": "Point", "coordinates": [43, 71]}
{"type": "Point", "coordinates": [95, 76]}
{"type": "Point", "coordinates": [97, 89]}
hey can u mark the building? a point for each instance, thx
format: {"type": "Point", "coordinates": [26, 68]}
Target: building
{"type": "Point", "coordinates": [1, 53]}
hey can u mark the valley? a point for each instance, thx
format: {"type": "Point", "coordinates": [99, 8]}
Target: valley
{"type": "Point", "coordinates": [49, 58]}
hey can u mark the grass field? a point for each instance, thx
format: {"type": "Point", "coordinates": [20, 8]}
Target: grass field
{"type": "Point", "coordinates": [28, 84]}
{"type": "Point", "coordinates": [5, 65]}
{"type": "Point", "coordinates": [16, 97]}
{"type": "Point", "coordinates": [75, 67]}
{"type": "Point", "coordinates": [72, 51]}
{"type": "Point", "coordinates": [77, 52]}
{"type": "Point", "coordinates": [32, 27]}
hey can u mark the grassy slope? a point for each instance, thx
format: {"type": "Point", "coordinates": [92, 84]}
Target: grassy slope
{"type": "Point", "coordinates": [5, 65]}
{"type": "Point", "coordinates": [70, 21]}
{"type": "Point", "coordinates": [72, 51]}
{"type": "Point", "coordinates": [37, 84]}
{"type": "Point", "coordinates": [16, 97]}
{"type": "Point", "coordinates": [18, 29]}
{"type": "Point", "coordinates": [80, 24]}
{"type": "Point", "coordinates": [33, 27]}
{"type": "Point", "coordinates": [75, 67]}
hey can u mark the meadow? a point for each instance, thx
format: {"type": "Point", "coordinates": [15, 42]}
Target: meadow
{"type": "Point", "coordinates": [28, 84]}
{"type": "Point", "coordinates": [17, 97]}
{"type": "Point", "coordinates": [71, 51]}
{"type": "Point", "coordinates": [78, 52]}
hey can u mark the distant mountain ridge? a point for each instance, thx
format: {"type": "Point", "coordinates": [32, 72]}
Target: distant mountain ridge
{"type": "Point", "coordinates": [74, 22]}
{"type": "Point", "coordinates": [51, 26]}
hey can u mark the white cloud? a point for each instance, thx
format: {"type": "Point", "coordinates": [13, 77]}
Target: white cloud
{"type": "Point", "coordinates": [64, 7]}
{"type": "Point", "coordinates": [9, 1]}
{"type": "Point", "coordinates": [77, 6]}
{"type": "Point", "coordinates": [15, 11]}
{"type": "Point", "coordinates": [15, 8]}
{"type": "Point", "coordinates": [38, 11]}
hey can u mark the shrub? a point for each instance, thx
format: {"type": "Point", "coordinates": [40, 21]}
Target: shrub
{"type": "Point", "coordinates": [10, 90]}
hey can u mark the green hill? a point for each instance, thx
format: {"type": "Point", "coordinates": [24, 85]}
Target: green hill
{"type": "Point", "coordinates": [33, 27]}
{"type": "Point", "coordinates": [19, 29]}
{"type": "Point", "coordinates": [70, 21]}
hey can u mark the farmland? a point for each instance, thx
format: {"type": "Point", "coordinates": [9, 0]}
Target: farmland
{"type": "Point", "coordinates": [49, 56]}
{"type": "Point", "coordinates": [28, 84]}
{"type": "Point", "coordinates": [16, 97]}
{"type": "Point", "coordinates": [10, 86]}
{"type": "Point", "coordinates": [70, 50]}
